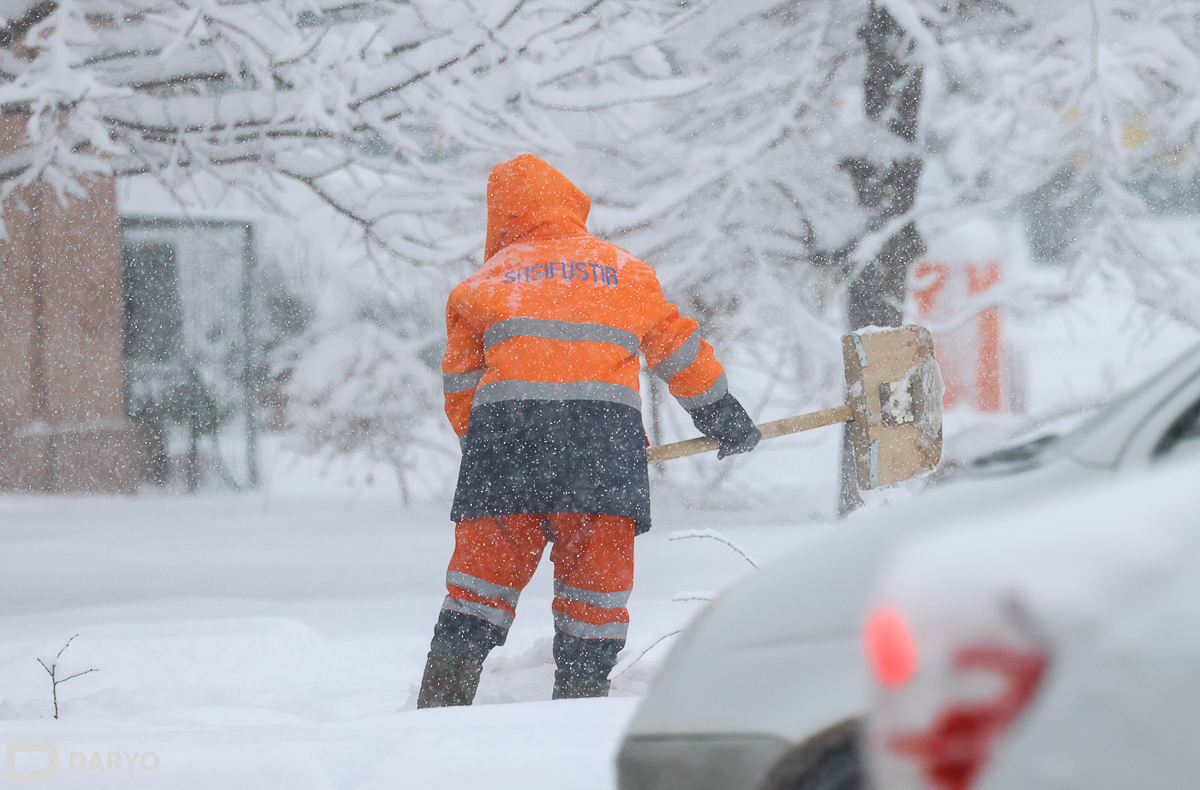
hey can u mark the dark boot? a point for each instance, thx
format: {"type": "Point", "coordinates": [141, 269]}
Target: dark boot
{"type": "Point", "coordinates": [583, 665]}
{"type": "Point", "coordinates": [448, 681]}
{"type": "Point", "coordinates": [577, 687]}
{"type": "Point", "coordinates": [460, 644]}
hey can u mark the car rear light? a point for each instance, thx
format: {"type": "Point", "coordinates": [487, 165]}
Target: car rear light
{"type": "Point", "coordinates": [956, 745]}
{"type": "Point", "coordinates": [890, 647]}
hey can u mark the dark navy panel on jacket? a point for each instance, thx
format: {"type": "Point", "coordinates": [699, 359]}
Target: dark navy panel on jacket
{"type": "Point", "coordinates": [552, 456]}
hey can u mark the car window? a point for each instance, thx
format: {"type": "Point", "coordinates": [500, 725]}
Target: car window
{"type": "Point", "coordinates": [1182, 439]}
{"type": "Point", "coordinates": [1118, 404]}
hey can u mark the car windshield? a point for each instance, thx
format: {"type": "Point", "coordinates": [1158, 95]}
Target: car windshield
{"type": "Point", "coordinates": [1116, 405]}
{"type": "Point", "coordinates": [1029, 452]}
{"type": "Point", "coordinates": [1026, 448]}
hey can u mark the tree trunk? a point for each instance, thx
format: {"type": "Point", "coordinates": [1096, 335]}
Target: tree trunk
{"type": "Point", "coordinates": [875, 292]}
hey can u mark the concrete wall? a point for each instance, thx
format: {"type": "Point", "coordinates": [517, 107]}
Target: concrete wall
{"type": "Point", "coordinates": [62, 424]}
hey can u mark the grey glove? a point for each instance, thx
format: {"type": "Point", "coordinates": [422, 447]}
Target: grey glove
{"type": "Point", "coordinates": [728, 423]}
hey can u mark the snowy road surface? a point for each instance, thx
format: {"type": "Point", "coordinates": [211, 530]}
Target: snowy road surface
{"type": "Point", "coordinates": [246, 641]}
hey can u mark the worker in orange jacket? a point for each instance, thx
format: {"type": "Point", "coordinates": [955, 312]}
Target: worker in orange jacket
{"type": "Point", "coordinates": [541, 382]}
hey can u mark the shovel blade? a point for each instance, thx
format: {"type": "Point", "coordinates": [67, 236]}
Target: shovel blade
{"type": "Point", "coordinates": [894, 388]}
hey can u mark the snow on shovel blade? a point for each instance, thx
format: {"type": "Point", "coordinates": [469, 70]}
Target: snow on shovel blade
{"type": "Point", "coordinates": [894, 388]}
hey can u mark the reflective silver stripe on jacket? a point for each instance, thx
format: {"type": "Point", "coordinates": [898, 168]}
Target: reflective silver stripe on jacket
{"type": "Point", "coordinates": [483, 587]}
{"type": "Point", "coordinates": [571, 390]}
{"type": "Point", "coordinates": [550, 329]}
{"type": "Point", "coordinates": [709, 397]}
{"type": "Point", "coordinates": [461, 382]}
{"type": "Point", "coordinates": [679, 359]}
{"type": "Point", "coordinates": [612, 600]}
{"type": "Point", "coordinates": [494, 616]}
{"type": "Point", "coordinates": [569, 625]}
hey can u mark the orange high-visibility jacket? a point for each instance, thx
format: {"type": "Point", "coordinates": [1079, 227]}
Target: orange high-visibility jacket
{"type": "Point", "coordinates": [541, 364]}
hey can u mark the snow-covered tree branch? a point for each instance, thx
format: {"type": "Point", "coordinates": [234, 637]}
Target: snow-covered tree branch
{"type": "Point", "coordinates": [388, 112]}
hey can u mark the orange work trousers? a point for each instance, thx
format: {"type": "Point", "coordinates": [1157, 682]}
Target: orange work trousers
{"type": "Point", "coordinates": [495, 557]}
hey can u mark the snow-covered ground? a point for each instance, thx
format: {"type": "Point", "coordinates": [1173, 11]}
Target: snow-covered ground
{"type": "Point", "coordinates": [259, 641]}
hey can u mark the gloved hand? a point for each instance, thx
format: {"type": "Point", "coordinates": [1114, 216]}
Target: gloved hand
{"type": "Point", "coordinates": [743, 443]}
{"type": "Point", "coordinates": [728, 423]}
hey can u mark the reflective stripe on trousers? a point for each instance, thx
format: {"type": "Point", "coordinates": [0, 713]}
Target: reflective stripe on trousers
{"type": "Point", "coordinates": [493, 614]}
{"type": "Point", "coordinates": [585, 630]}
{"type": "Point", "coordinates": [565, 598]}
{"type": "Point", "coordinates": [478, 597]}
{"type": "Point", "coordinates": [495, 557]}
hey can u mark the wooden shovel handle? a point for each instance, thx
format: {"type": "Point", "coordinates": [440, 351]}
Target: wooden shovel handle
{"type": "Point", "coordinates": [801, 422]}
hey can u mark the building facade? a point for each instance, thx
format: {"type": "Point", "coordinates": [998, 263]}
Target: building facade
{"type": "Point", "coordinates": [62, 419]}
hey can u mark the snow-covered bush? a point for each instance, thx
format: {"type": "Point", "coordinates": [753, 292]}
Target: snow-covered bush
{"type": "Point", "coordinates": [357, 389]}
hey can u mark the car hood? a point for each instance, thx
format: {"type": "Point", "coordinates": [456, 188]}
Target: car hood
{"type": "Point", "coordinates": [753, 658]}
{"type": "Point", "coordinates": [819, 589]}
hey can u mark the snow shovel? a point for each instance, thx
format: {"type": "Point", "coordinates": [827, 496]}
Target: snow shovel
{"type": "Point", "coordinates": [894, 407]}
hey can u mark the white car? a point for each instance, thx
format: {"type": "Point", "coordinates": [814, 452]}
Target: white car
{"type": "Point", "coordinates": [767, 687]}
{"type": "Point", "coordinates": [1056, 646]}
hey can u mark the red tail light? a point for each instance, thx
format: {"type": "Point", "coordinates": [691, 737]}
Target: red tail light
{"type": "Point", "coordinates": [959, 741]}
{"type": "Point", "coordinates": [890, 648]}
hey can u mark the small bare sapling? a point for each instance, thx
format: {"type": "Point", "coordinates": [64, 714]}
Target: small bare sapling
{"type": "Point", "coordinates": [625, 665]}
{"type": "Point", "coordinates": [52, 671]}
{"type": "Point", "coordinates": [712, 534]}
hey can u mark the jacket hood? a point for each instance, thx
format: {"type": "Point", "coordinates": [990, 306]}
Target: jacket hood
{"type": "Point", "coordinates": [528, 199]}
